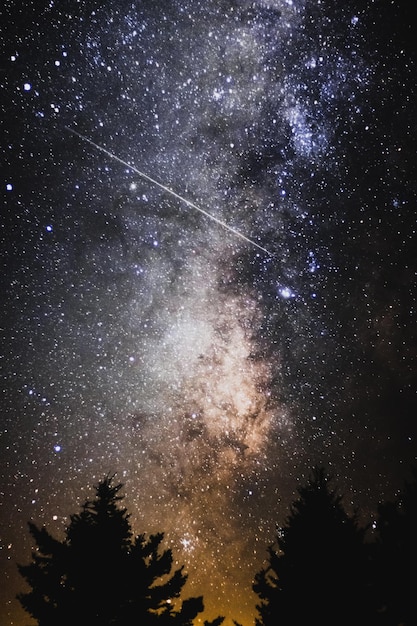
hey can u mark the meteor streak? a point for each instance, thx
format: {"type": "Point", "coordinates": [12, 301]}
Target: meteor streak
{"type": "Point", "coordinates": [168, 190]}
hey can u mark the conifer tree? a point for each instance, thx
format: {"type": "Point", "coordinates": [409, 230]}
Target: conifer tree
{"type": "Point", "coordinates": [396, 557]}
{"type": "Point", "coordinates": [318, 573]}
{"type": "Point", "coordinates": [100, 575]}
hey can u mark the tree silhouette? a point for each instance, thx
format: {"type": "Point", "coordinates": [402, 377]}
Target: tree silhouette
{"type": "Point", "coordinates": [320, 569]}
{"type": "Point", "coordinates": [396, 557]}
{"type": "Point", "coordinates": [215, 622]}
{"type": "Point", "coordinates": [100, 575]}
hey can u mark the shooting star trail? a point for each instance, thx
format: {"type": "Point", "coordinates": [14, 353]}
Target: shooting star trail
{"type": "Point", "coordinates": [168, 190]}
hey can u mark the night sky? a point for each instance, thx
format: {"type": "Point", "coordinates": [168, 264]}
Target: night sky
{"type": "Point", "coordinates": [210, 334]}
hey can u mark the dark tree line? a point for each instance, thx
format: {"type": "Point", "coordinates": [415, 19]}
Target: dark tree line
{"type": "Point", "coordinates": [322, 569]}
{"type": "Point", "coordinates": [100, 575]}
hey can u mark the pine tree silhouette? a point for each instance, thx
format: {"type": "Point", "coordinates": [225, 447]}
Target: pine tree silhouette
{"type": "Point", "coordinates": [396, 556]}
{"type": "Point", "coordinates": [99, 575]}
{"type": "Point", "coordinates": [215, 622]}
{"type": "Point", "coordinates": [319, 572]}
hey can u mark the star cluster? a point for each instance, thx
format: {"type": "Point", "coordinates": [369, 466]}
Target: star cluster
{"type": "Point", "coordinates": [209, 369]}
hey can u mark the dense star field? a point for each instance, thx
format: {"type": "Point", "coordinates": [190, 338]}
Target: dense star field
{"type": "Point", "coordinates": [140, 335]}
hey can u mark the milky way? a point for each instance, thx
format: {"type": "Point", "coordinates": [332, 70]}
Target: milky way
{"type": "Point", "coordinates": [142, 335]}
